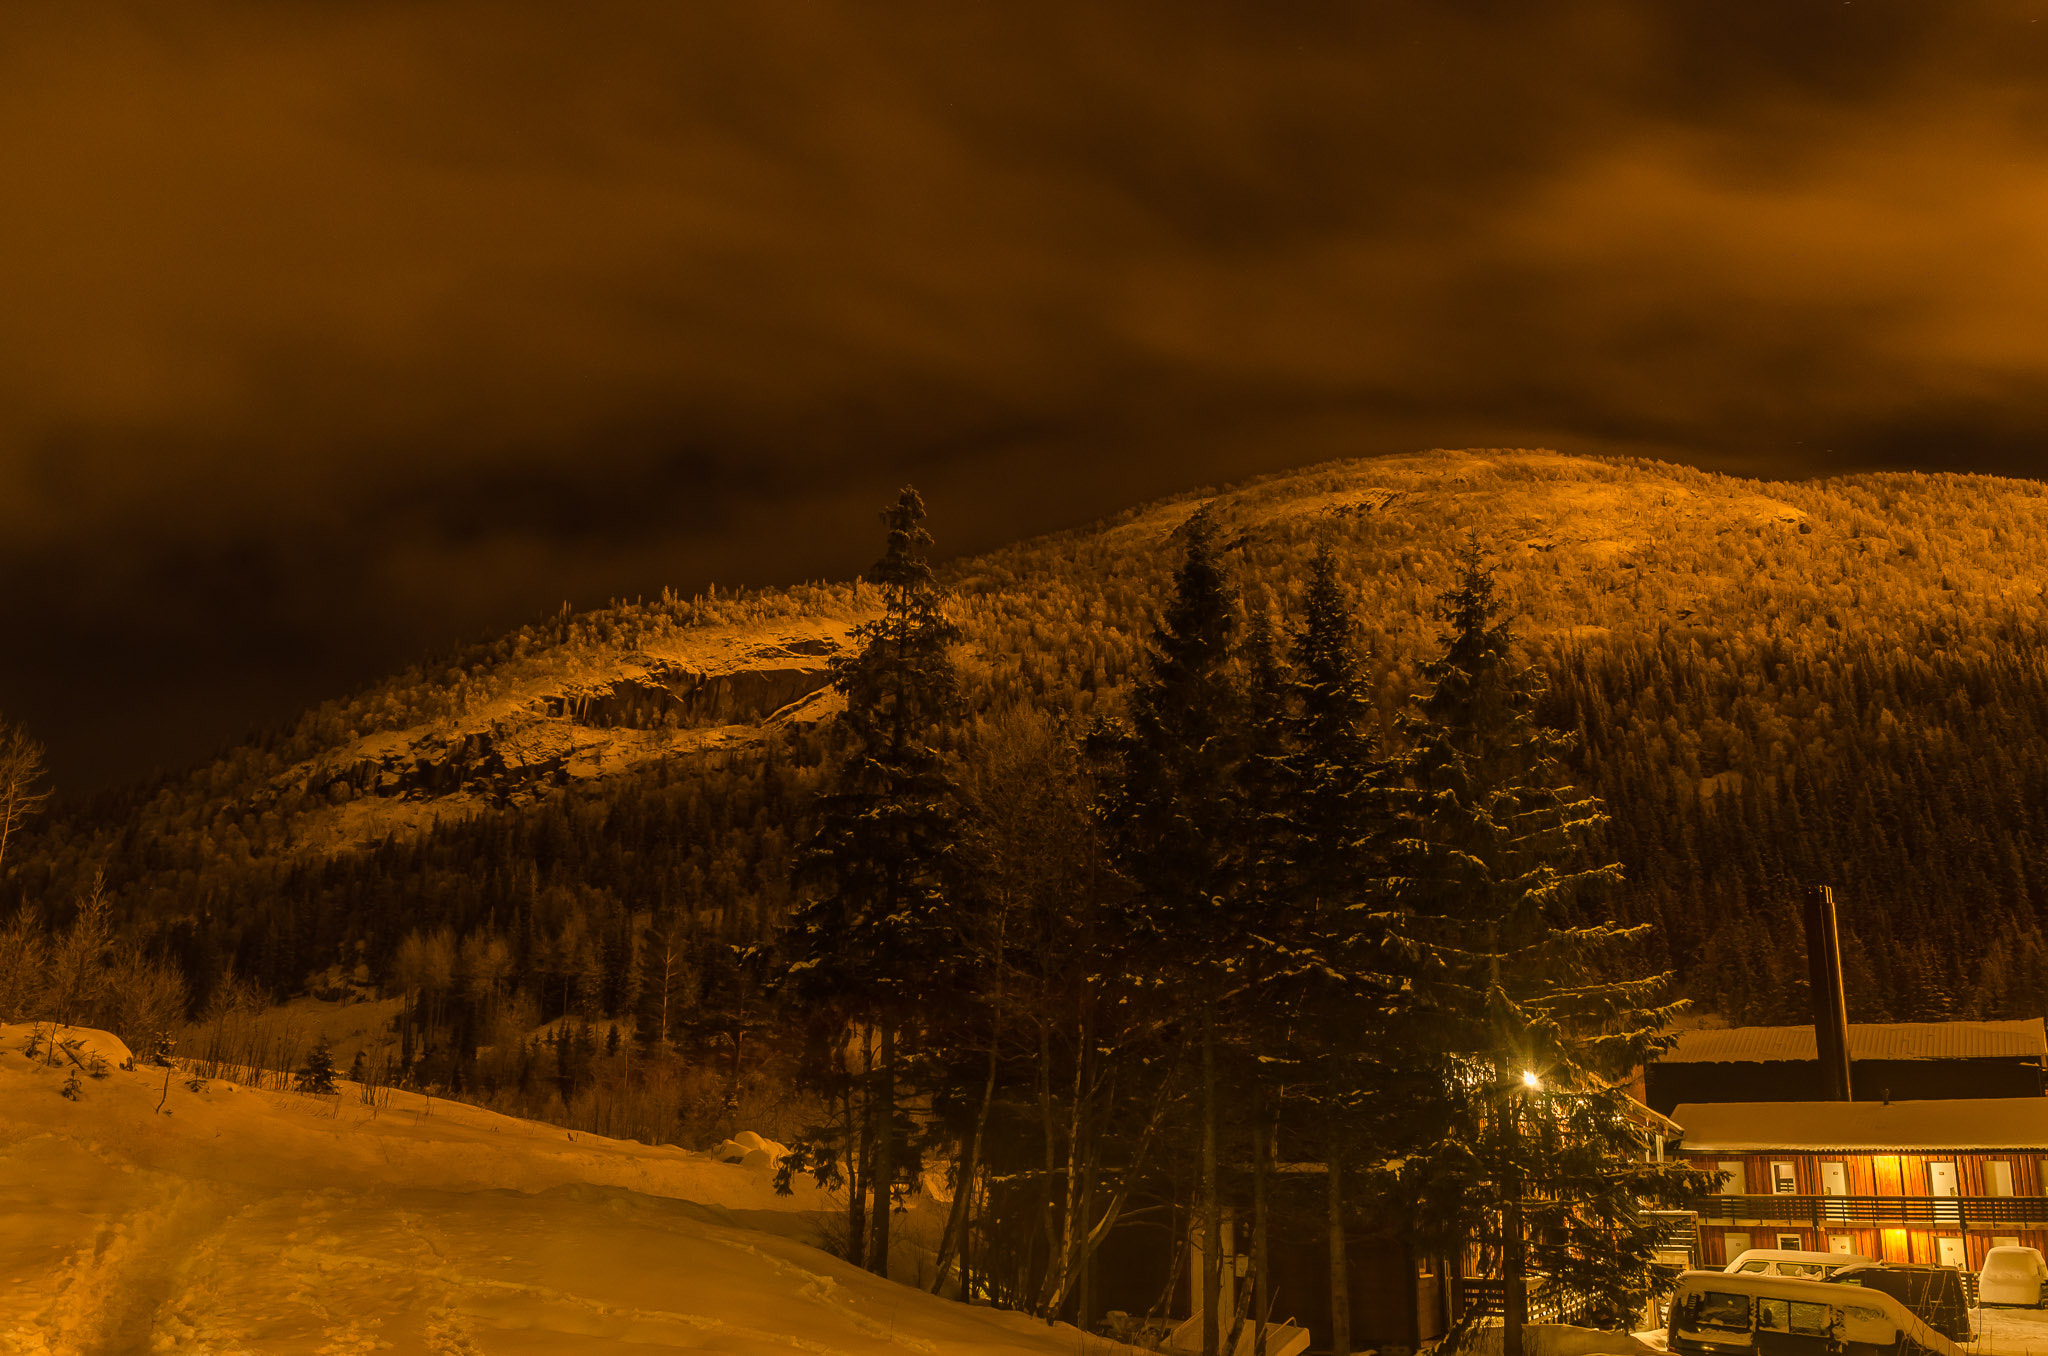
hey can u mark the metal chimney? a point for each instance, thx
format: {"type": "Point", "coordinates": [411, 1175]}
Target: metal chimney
{"type": "Point", "coordinates": [1830, 1002]}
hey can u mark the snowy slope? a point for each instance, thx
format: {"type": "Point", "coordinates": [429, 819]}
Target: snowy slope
{"type": "Point", "coordinates": [240, 1220]}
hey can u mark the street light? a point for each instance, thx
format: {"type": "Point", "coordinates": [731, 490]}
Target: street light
{"type": "Point", "coordinates": [1530, 1080]}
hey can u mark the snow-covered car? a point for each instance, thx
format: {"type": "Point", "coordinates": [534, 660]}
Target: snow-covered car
{"type": "Point", "coordinates": [2012, 1276]}
{"type": "Point", "coordinates": [1814, 1266]}
{"type": "Point", "coordinates": [1715, 1313]}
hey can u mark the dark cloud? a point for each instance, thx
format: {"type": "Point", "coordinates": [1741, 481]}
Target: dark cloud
{"type": "Point", "coordinates": [329, 335]}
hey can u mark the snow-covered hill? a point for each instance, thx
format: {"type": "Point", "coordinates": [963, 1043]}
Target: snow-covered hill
{"type": "Point", "coordinates": [237, 1220]}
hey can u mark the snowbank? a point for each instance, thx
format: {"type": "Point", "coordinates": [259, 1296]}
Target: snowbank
{"type": "Point", "coordinates": [1558, 1339]}
{"type": "Point", "coordinates": [244, 1220]}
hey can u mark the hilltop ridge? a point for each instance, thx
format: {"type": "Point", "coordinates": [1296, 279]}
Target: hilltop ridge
{"type": "Point", "coordinates": [1764, 677]}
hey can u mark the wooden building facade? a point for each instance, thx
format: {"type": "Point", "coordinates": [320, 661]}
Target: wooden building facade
{"type": "Point", "coordinates": [1931, 1181]}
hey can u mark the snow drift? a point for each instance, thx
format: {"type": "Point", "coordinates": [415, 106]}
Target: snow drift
{"type": "Point", "coordinates": [238, 1220]}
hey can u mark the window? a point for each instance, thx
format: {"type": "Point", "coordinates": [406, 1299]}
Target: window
{"type": "Point", "coordinates": [1734, 1180]}
{"type": "Point", "coordinates": [1998, 1177]}
{"type": "Point", "coordinates": [1718, 1310]}
{"type": "Point", "coordinates": [1791, 1243]}
{"type": "Point", "coordinates": [1794, 1316]}
{"type": "Point", "coordinates": [1752, 1268]}
{"type": "Point", "coordinates": [1814, 1319]}
{"type": "Point", "coordinates": [1784, 1179]}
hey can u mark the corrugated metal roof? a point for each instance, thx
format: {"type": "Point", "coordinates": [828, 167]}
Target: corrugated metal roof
{"type": "Point", "coordinates": [1968, 1123]}
{"type": "Point", "coordinates": [1867, 1040]}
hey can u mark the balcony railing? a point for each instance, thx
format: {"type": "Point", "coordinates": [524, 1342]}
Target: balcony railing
{"type": "Point", "coordinates": [1877, 1211]}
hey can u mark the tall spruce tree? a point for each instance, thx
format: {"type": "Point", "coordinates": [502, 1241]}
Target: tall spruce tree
{"type": "Point", "coordinates": [875, 937]}
{"type": "Point", "coordinates": [1334, 812]}
{"type": "Point", "coordinates": [1176, 820]}
{"type": "Point", "coordinates": [1532, 997]}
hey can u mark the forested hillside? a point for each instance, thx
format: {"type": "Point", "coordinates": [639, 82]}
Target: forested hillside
{"type": "Point", "coordinates": [1841, 681]}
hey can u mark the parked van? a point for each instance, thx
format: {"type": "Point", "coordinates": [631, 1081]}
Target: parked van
{"type": "Point", "coordinates": [1935, 1293]}
{"type": "Point", "coordinates": [1815, 1266]}
{"type": "Point", "coordinates": [2013, 1275]}
{"type": "Point", "coordinates": [1719, 1313]}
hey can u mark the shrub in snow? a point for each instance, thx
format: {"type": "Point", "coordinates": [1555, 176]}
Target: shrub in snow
{"type": "Point", "coordinates": [317, 1073]}
{"type": "Point", "coordinates": [73, 1088]}
{"type": "Point", "coordinates": [95, 1065]}
{"type": "Point", "coordinates": [196, 1084]}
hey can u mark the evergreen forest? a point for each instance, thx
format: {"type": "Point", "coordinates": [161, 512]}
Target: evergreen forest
{"type": "Point", "coordinates": [1767, 684]}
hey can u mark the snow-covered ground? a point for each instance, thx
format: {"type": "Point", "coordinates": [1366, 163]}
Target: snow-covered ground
{"type": "Point", "coordinates": [2010, 1332]}
{"type": "Point", "coordinates": [238, 1220]}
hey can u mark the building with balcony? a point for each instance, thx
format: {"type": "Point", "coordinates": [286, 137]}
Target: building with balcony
{"type": "Point", "coordinates": [1905, 1181]}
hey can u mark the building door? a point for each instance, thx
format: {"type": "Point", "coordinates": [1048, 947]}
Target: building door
{"type": "Point", "coordinates": [1734, 1177]}
{"type": "Point", "coordinates": [1734, 1243]}
{"type": "Point", "coordinates": [1998, 1177]}
{"type": "Point", "coordinates": [1949, 1252]}
{"type": "Point", "coordinates": [1784, 1180]}
{"type": "Point", "coordinates": [1842, 1245]}
{"type": "Point", "coordinates": [1941, 1182]}
{"type": "Point", "coordinates": [1834, 1181]}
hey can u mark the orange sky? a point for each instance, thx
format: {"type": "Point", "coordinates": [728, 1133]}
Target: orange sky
{"type": "Point", "coordinates": [330, 334]}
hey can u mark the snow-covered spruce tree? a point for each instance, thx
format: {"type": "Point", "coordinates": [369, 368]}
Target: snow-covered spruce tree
{"type": "Point", "coordinates": [316, 1075]}
{"type": "Point", "coordinates": [875, 937]}
{"type": "Point", "coordinates": [1177, 832]}
{"type": "Point", "coordinates": [1324, 976]}
{"type": "Point", "coordinates": [1528, 996]}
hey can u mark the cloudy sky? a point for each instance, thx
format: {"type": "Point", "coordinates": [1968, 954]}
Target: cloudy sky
{"type": "Point", "coordinates": [331, 335]}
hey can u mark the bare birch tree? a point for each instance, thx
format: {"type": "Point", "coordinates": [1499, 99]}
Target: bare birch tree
{"type": "Point", "coordinates": [22, 792]}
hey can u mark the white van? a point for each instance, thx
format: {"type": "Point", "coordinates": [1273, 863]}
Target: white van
{"type": "Point", "coordinates": [2013, 1276]}
{"type": "Point", "coordinates": [1815, 1266]}
{"type": "Point", "coordinates": [1720, 1313]}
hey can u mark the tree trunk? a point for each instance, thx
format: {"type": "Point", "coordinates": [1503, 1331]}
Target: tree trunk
{"type": "Point", "coordinates": [1212, 1204]}
{"type": "Point", "coordinates": [1340, 1275]}
{"type": "Point", "coordinates": [956, 1215]}
{"type": "Point", "coordinates": [1260, 1147]}
{"type": "Point", "coordinates": [884, 1177]}
{"type": "Point", "coordinates": [859, 1142]}
{"type": "Point", "coordinates": [963, 1193]}
{"type": "Point", "coordinates": [1514, 1297]}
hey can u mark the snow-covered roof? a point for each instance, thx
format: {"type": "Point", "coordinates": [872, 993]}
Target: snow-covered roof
{"type": "Point", "coordinates": [1961, 1123]}
{"type": "Point", "coordinates": [1867, 1040]}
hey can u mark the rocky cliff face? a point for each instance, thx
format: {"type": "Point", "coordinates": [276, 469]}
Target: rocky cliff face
{"type": "Point", "coordinates": [724, 691]}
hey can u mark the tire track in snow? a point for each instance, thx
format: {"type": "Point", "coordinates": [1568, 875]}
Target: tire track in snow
{"type": "Point", "coordinates": [109, 1294]}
